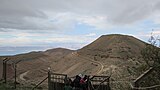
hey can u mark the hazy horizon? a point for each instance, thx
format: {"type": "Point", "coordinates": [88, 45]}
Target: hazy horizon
{"type": "Point", "coordinates": [11, 50]}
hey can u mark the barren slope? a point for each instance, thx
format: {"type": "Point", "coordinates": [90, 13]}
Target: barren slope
{"type": "Point", "coordinates": [115, 55]}
{"type": "Point", "coordinates": [120, 56]}
{"type": "Point", "coordinates": [34, 63]}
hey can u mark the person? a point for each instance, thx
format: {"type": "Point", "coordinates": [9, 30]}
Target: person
{"type": "Point", "coordinates": [76, 83]}
{"type": "Point", "coordinates": [83, 83]}
{"type": "Point", "coordinates": [67, 87]}
{"type": "Point", "coordinates": [68, 84]}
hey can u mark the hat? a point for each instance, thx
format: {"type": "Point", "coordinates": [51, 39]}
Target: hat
{"type": "Point", "coordinates": [80, 75]}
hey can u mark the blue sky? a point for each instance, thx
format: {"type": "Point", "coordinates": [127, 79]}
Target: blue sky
{"type": "Point", "coordinates": [40, 25]}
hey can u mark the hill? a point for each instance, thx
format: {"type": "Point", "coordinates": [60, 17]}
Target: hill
{"type": "Point", "coordinates": [33, 66]}
{"type": "Point", "coordinates": [115, 55]}
{"type": "Point", "coordinates": [120, 46]}
{"type": "Point", "coordinates": [120, 56]}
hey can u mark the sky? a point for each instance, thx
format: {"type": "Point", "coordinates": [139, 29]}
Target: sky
{"type": "Point", "coordinates": [31, 25]}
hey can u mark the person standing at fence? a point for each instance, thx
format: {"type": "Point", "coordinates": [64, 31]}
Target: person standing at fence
{"type": "Point", "coordinates": [83, 83]}
{"type": "Point", "coordinates": [68, 84]}
{"type": "Point", "coordinates": [76, 83]}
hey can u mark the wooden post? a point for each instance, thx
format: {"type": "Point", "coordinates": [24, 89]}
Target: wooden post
{"type": "Point", "coordinates": [49, 78]}
{"type": "Point", "coordinates": [5, 69]}
{"type": "Point", "coordinates": [66, 80]}
{"type": "Point", "coordinates": [108, 84]}
{"type": "Point", "coordinates": [5, 72]}
{"type": "Point", "coordinates": [133, 86]}
{"type": "Point", "coordinates": [89, 83]}
{"type": "Point", "coordinates": [15, 75]}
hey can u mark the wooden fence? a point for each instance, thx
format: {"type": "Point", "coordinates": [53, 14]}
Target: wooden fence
{"type": "Point", "coordinates": [144, 79]}
{"type": "Point", "coordinates": [57, 82]}
{"type": "Point", "coordinates": [100, 83]}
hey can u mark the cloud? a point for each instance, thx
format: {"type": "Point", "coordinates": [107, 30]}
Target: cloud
{"type": "Point", "coordinates": [156, 18]}
{"type": "Point", "coordinates": [45, 22]}
{"type": "Point", "coordinates": [43, 39]}
{"type": "Point", "coordinates": [156, 32]}
{"type": "Point", "coordinates": [146, 35]}
{"type": "Point", "coordinates": [38, 15]}
{"type": "Point", "coordinates": [91, 35]}
{"type": "Point", "coordinates": [98, 22]}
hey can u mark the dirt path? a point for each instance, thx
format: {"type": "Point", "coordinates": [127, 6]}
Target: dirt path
{"type": "Point", "coordinates": [97, 62]}
{"type": "Point", "coordinates": [102, 66]}
{"type": "Point", "coordinates": [21, 76]}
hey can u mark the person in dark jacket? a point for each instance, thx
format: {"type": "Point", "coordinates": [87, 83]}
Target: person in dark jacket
{"type": "Point", "coordinates": [68, 86]}
{"type": "Point", "coordinates": [76, 83]}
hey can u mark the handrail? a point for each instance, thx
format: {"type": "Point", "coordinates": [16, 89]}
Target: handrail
{"type": "Point", "coordinates": [144, 88]}
{"type": "Point", "coordinates": [58, 74]}
{"type": "Point", "coordinates": [99, 83]}
{"type": "Point", "coordinates": [99, 76]}
{"type": "Point", "coordinates": [142, 75]}
{"type": "Point", "coordinates": [40, 83]}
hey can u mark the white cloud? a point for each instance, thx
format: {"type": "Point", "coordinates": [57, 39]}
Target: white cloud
{"type": "Point", "coordinates": [156, 18]}
{"type": "Point", "coordinates": [36, 15]}
{"type": "Point", "coordinates": [21, 41]}
{"type": "Point", "coordinates": [32, 22]}
{"type": "Point", "coordinates": [147, 34]}
{"type": "Point", "coordinates": [156, 32]}
{"type": "Point", "coordinates": [91, 35]}
{"type": "Point", "coordinates": [42, 39]}
{"type": "Point", "coordinates": [99, 22]}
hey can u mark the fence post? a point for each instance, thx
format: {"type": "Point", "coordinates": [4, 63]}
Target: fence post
{"type": "Point", "coordinates": [15, 75]}
{"type": "Point", "coordinates": [133, 86]}
{"type": "Point", "coordinates": [108, 83]}
{"type": "Point", "coordinates": [66, 80]}
{"type": "Point", "coordinates": [5, 69]}
{"type": "Point", "coordinates": [88, 84]}
{"type": "Point", "coordinates": [49, 78]}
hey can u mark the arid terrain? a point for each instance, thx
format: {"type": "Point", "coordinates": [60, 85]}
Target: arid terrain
{"type": "Point", "coordinates": [116, 55]}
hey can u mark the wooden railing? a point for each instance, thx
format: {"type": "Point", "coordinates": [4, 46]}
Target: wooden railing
{"type": "Point", "coordinates": [136, 86]}
{"type": "Point", "coordinates": [40, 83]}
{"type": "Point", "coordinates": [57, 82]}
{"type": "Point", "coordinates": [155, 87]}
